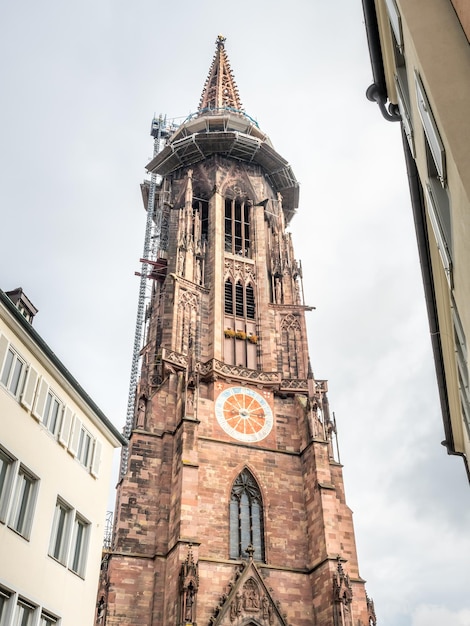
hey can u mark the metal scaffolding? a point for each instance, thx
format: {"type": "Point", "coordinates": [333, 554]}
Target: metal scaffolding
{"type": "Point", "coordinates": [160, 131]}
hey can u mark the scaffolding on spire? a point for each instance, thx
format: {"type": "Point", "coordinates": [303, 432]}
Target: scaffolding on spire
{"type": "Point", "coordinates": [160, 130]}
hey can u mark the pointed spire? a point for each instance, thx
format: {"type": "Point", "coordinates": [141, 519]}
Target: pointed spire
{"type": "Point", "coordinates": [220, 90]}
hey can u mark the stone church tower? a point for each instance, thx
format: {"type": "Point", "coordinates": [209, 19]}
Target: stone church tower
{"type": "Point", "coordinates": [232, 509]}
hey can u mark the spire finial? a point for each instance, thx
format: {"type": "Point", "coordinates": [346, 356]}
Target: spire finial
{"type": "Point", "coordinates": [220, 90]}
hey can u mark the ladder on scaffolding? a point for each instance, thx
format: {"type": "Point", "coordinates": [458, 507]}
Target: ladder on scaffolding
{"type": "Point", "coordinates": [160, 130]}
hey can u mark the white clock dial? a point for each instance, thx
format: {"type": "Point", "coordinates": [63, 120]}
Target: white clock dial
{"type": "Point", "coordinates": [244, 414]}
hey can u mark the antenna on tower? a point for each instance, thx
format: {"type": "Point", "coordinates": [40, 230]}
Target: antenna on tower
{"type": "Point", "coordinates": [160, 130]}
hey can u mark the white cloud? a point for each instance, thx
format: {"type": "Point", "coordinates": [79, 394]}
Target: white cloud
{"type": "Point", "coordinates": [430, 615]}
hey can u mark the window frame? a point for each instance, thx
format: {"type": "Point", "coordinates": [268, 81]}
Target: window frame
{"type": "Point", "coordinates": [431, 130]}
{"type": "Point", "coordinates": [85, 452]}
{"type": "Point", "coordinates": [237, 232]}
{"type": "Point", "coordinates": [246, 488]}
{"type": "Point", "coordinates": [21, 603]}
{"type": "Point", "coordinates": [61, 528]}
{"type": "Point", "coordinates": [53, 426]}
{"type": "Point", "coordinates": [439, 235]}
{"type": "Point", "coordinates": [395, 22]}
{"type": "Point", "coordinates": [78, 553]}
{"type": "Point", "coordinates": [5, 605]}
{"type": "Point", "coordinates": [47, 619]}
{"type": "Point", "coordinates": [23, 502]}
{"type": "Point", "coordinates": [7, 475]}
{"type": "Point", "coordinates": [7, 377]}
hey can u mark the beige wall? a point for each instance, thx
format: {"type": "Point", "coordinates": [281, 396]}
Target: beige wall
{"type": "Point", "coordinates": [25, 566]}
{"type": "Point", "coordinates": [435, 46]}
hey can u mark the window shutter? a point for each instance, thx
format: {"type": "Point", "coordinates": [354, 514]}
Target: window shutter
{"type": "Point", "coordinates": [64, 433]}
{"type": "Point", "coordinates": [75, 438]}
{"type": "Point", "coordinates": [41, 396]}
{"type": "Point", "coordinates": [95, 464]}
{"type": "Point", "coordinates": [228, 297]}
{"type": "Point", "coordinates": [3, 350]}
{"type": "Point", "coordinates": [239, 300]}
{"type": "Point", "coordinates": [27, 396]}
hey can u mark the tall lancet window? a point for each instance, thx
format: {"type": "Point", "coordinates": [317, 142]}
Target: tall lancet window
{"type": "Point", "coordinates": [246, 518]}
{"type": "Point", "coordinates": [237, 227]}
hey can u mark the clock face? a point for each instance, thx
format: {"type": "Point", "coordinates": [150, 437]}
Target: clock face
{"type": "Point", "coordinates": [244, 414]}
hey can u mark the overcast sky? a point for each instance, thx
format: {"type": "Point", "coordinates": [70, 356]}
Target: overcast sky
{"type": "Point", "coordinates": [81, 82]}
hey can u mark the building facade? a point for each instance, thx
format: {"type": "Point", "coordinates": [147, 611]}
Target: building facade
{"type": "Point", "coordinates": [420, 57]}
{"type": "Point", "coordinates": [56, 450]}
{"type": "Point", "coordinates": [232, 509]}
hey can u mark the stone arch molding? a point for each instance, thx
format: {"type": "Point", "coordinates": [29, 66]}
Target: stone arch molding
{"type": "Point", "coordinates": [247, 601]}
{"type": "Point", "coordinates": [290, 322]}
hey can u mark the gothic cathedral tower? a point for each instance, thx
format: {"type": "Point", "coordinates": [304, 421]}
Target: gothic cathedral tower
{"type": "Point", "coordinates": [231, 511]}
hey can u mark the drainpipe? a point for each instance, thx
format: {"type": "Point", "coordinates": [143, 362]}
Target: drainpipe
{"type": "Point", "coordinates": [377, 92]}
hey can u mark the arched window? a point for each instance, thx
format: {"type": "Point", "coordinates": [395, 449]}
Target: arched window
{"type": "Point", "coordinates": [228, 297]}
{"type": "Point", "coordinates": [237, 227]}
{"type": "Point", "coordinates": [246, 518]}
{"type": "Point", "coordinates": [242, 297]}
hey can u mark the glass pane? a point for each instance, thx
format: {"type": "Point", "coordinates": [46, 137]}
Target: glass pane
{"type": "Point", "coordinates": [4, 465]}
{"type": "Point", "coordinates": [7, 367]}
{"type": "Point", "coordinates": [234, 538]}
{"type": "Point", "coordinates": [256, 530]}
{"type": "Point", "coordinates": [24, 615]}
{"type": "Point", "coordinates": [78, 546]}
{"type": "Point", "coordinates": [15, 379]}
{"type": "Point", "coordinates": [245, 535]}
{"type": "Point", "coordinates": [23, 504]}
{"type": "Point", "coordinates": [53, 424]}
{"type": "Point", "coordinates": [62, 514]}
{"type": "Point", "coordinates": [47, 409]}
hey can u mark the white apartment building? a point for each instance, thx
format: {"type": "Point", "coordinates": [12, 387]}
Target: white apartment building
{"type": "Point", "coordinates": [56, 450]}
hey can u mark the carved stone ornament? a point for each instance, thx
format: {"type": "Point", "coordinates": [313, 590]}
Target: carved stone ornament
{"type": "Point", "coordinates": [189, 584]}
{"type": "Point", "coordinates": [342, 595]}
{"type": "Point", "coordinates": [247, 597]}
{"type": "Point", "coordinates": [372, 619]}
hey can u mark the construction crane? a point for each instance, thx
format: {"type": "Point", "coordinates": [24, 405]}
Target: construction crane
{"type": "Point", "coordinates": [160, 130]}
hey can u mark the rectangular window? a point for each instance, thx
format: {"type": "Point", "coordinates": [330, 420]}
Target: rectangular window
{"type": "Point", "coordinates": [24, 497]}
{"type": "Point", "coordinates": [24, 614]}
{"type": "Point", "coordinates": [6, 473]}
{"type": "Point", "coordinates": [52, 413]}
{"type": "Point", "coordinates": [436, 212]}
{"type": "Point", "coordinates": [13, 373]}
{"type": "Point", "coordinates": [79, 546]}
{"type": "Point", "coordinates": [431, 131]}
{"type": "Point", "coordinates": [47, 620]}
{"type": "Point", "coordinates": [395, 22]}
{"type": "Point", "coordinates": [85, 447]}
{"type": "Point", "coordinates": [60, 532]}
{"type": "Point", "coordinates": [5, 597]}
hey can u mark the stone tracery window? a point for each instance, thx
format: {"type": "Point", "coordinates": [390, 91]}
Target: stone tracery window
{"type": "Point", "coordinates": [239, 299]}
{"type": "Point", "coordinates": [246, 518]}
{"type": "Point", "coordinates": [237, 227]}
